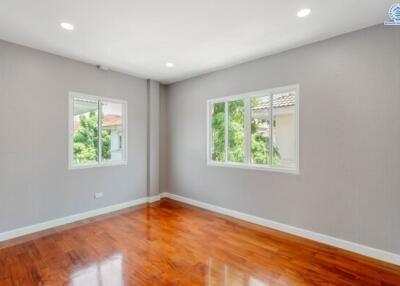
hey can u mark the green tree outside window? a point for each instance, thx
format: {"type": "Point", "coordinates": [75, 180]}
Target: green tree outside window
{"type": "Point", "coordinates": [86, 140]}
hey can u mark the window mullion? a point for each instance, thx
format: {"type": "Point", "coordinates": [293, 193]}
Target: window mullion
{"type": "Point", "coordinates": [124, 136]}
{"type": "Point", "coordinates": [99, 129]}
{"type": "Point", "coordinates": [271, 146]}
{"type": "Point", "coordinates": [247, 130]}
{"type": "Point", "coordinates": [226, 131]}
{"type": "Point", "coordinates": [210, 134]}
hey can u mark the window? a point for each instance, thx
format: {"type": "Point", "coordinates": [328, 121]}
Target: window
{"type": "Point", "coordinates": [97, 132]}
{"type": "Point", "coordinates": [257, 130]}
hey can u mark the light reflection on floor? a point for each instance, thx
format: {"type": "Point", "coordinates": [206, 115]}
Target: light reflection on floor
{"type": "Point", "coordinates": [110, 273]}
{"type": "Point", "coordinates": [107, 273]}
{"type": "Point", "coordinates": [220, 273]}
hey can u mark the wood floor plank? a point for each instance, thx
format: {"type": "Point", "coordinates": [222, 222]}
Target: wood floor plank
{"type": "Point", "coordinates": [170, 243]}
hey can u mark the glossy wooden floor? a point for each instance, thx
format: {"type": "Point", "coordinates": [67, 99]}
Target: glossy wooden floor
{"type": "Point", "coordinates": [169, 243]}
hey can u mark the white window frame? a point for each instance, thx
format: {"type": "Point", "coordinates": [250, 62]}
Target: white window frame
{"type": "Point", "coordinates": [100, 163]}
{"type": "Point", "coordinates": [247, 119]}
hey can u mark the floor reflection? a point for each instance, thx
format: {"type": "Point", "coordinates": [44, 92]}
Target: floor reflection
{"type": "Point", "coordinates": [220, 273]}
{"type": "Point", "coordinates": [107, 273]}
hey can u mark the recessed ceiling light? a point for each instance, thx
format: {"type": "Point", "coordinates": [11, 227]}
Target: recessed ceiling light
{"type": "Point", "coordinates": [304, 13]}
{"type": "Point", "coordinates": [67, 26]}
{"type": "Point", "coordinates": [169, 65]}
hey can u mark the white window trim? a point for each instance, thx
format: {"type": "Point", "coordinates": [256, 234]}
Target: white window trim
{"type": "Point", "coordinates": [246, 97]}
{"type": "Point", "coordinates": [100, 163]}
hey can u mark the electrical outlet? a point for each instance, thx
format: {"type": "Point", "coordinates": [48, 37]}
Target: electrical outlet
{"type": "Point", "coordinates": [98, 195]}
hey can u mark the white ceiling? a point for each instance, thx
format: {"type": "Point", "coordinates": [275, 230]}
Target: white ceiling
{"type": "Point", "coordinates": [139, 36]}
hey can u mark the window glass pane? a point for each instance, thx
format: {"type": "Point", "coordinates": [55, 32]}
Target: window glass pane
{"type": "Point", "coordinates": [218, 132]}
{"type": "Point", "coordinates": [85, 137]}
{"type": "Point", "coordinates": [112, 131]}
{"type": "Point", "coordinates": [260, 129]}
{"type": "Point", "coordinates": [236, 131]}
{"type": "Point", "coordinates": [283, 131]}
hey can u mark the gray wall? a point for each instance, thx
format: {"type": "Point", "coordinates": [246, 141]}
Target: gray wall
{"type": "Point", "coordinates": [35, 183]}
{"type": "Point", "coordinates": [349, 182]}
{"type": "Point", "coordinates": [154, 138]}
{"type": "Point", "coordinates": [163, 140]}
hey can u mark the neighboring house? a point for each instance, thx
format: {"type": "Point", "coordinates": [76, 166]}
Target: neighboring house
{"type": "Point", "coordinates": [283, 133]}
{"type": "Point", "coordinates": [113, 123]}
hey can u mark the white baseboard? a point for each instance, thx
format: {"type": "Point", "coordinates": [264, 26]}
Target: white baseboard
{"type": "Point", "coordinates": [69, 219]}
{"type": "Point", "coordinates": [333, 241]}
{"type": "Point", "coordinates": [154, 198]}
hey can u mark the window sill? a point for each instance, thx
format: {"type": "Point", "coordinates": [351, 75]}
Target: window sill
{"type": "Point", "coordinates": [97, 165]}
{"type": "Point", "coordinates": [294, 171]}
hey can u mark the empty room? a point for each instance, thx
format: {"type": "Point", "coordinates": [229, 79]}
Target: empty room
{"type": "Point", "coordinates": [199, 142]}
